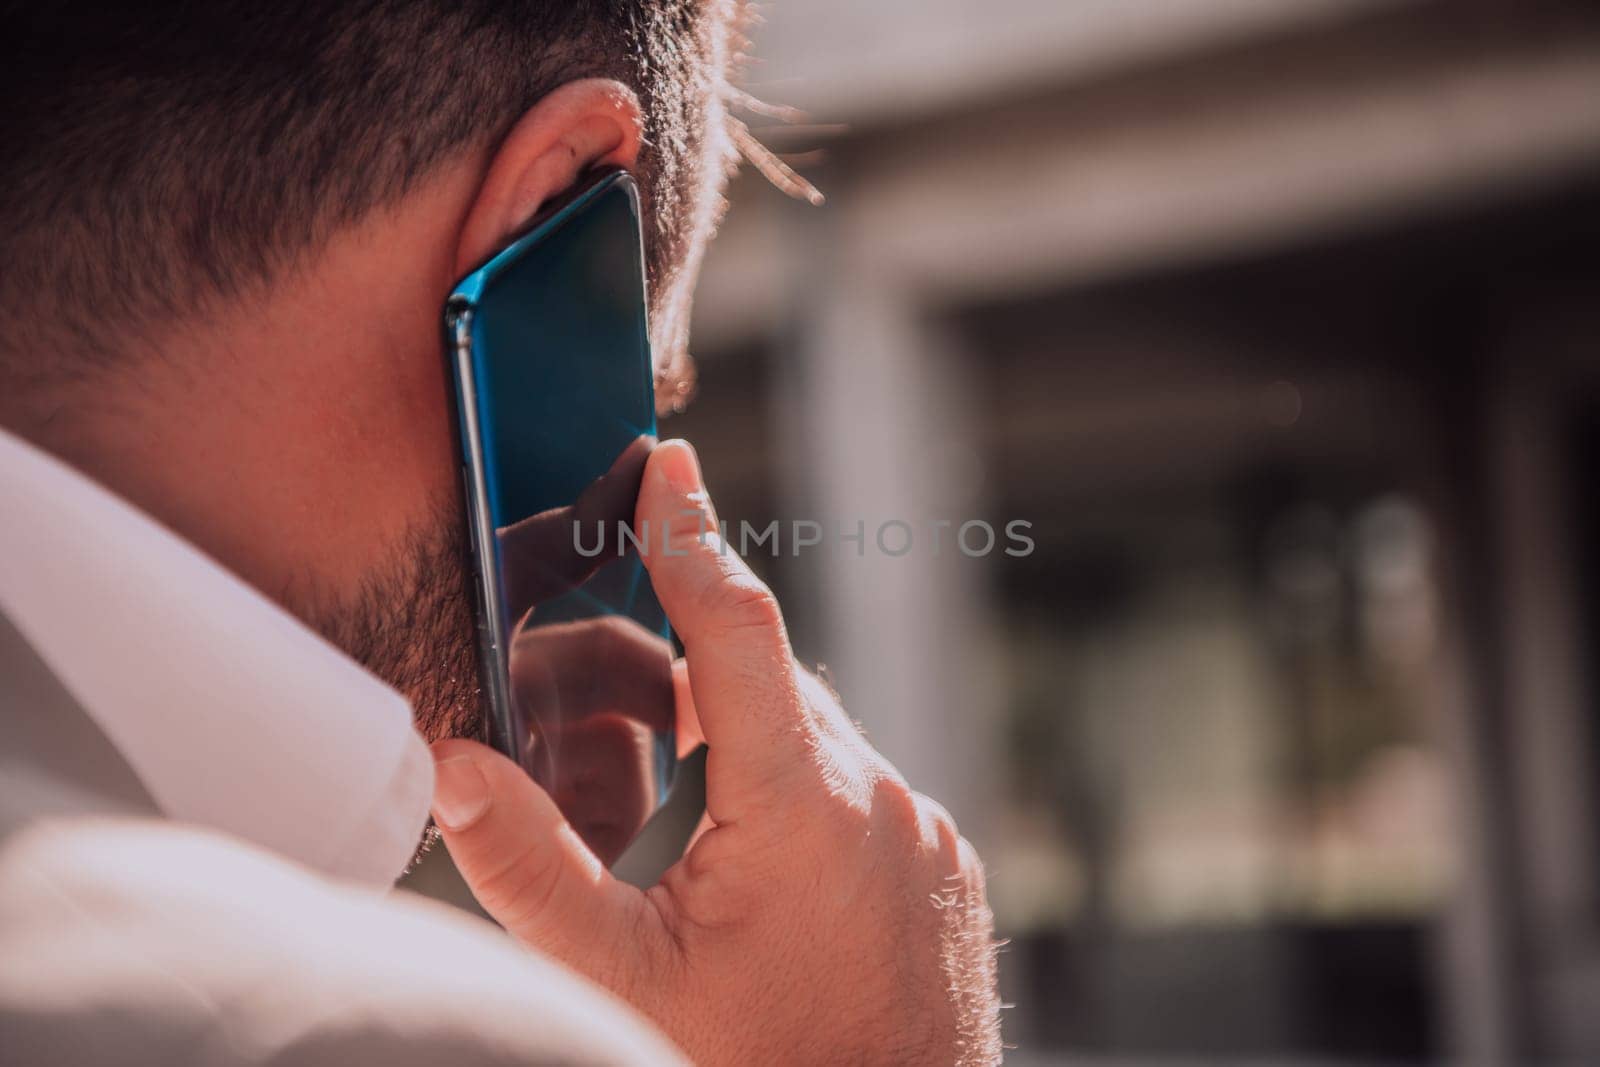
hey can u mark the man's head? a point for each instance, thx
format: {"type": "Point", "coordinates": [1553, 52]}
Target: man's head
{"type": "Point", "coordinates": [227, 230]}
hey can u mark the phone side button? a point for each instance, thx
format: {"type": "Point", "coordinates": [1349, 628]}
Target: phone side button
{"type": "Point", "coordinates": [477, 603]}
{"type": "Point", "coordinates": [469, 515]}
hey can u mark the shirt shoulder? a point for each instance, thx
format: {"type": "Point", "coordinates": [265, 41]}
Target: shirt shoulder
{"type": "Point", "coordinates": [131, 940]}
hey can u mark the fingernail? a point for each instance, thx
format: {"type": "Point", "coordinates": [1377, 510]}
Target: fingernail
{"type": "Point", "coordinates": [679, 466]}
{"type": "Point", "coordinates": [460, 793]}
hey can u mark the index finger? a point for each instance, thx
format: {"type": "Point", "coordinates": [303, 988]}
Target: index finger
{"type": "Point", "coordinates": [746, 693]}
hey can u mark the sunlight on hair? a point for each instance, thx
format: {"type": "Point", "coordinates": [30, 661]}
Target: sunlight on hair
{"type": "Point", "coordinates": [767, 162]}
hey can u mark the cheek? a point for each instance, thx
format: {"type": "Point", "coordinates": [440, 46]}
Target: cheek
{"type": "Point", "coordinates": [410, 449]}
{"type": "Point", "coordinates": [391, 460]}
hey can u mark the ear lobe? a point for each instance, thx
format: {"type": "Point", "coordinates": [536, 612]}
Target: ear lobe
{"type": "Point", "coordinates": [580, 125]}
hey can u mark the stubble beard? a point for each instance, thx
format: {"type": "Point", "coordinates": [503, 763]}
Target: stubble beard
{"type": "Point", "coordinates": [411, 624]}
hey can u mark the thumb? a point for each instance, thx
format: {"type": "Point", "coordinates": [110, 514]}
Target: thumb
{"type": "Point", "coordinates": [524, 863]}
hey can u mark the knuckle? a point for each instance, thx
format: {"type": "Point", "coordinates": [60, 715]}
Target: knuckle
{"type": "Point", "coordinates": [895, 814]}
{"type": "Point", "coordinates": [684, 534]}
{"type": "Point", "coordinates": [743, 602]}
{"type": "Point", "coordinates": [844, 810]}
{"type": "Point", "coordinates": [941, 843]}
{"type": "Point", "coordinates": [519, 889]}
{"type": "Point", "coordinates": [938, 828]}
{"type": "Point", "coordinates": [825, 709]}
{"type": "Point", "coordinates": [846, 786]}
{"type": "Point", "coordinates": [816, 691]}
{"type": "Point", "coordinates": [971, 868]}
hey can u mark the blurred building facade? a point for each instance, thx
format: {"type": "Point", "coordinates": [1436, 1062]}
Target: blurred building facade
{"type": "Point", "coordinates": [1277, 321]}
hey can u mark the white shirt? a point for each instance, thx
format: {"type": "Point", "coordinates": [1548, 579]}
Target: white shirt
{"type": "Point", "coordinates": [233, 713]}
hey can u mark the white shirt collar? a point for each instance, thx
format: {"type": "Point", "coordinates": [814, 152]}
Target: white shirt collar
{"type": "Point", "coordinates": [233, 713]}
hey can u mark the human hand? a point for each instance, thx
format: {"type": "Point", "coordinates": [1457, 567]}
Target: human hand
{"type": "Point", "coordinates": [827, 914]}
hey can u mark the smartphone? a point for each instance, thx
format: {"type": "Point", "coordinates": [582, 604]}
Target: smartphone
{"type": "Point", "coordinates": [550, 351]}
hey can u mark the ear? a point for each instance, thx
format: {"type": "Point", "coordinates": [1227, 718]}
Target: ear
{"type": "Point", "coordinates": [582, 124]}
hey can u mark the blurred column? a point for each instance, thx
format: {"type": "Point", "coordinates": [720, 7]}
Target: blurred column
{"type": "Point", "coordinates": [1544, 362]}
{"type": "Point", "coordinates": [1480, 949]}
{"type": "Point", "coordinates": [876, 402]}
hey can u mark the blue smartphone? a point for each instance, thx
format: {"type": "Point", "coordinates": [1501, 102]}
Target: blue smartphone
{"type": "Point", "coordinates": [550, 350]}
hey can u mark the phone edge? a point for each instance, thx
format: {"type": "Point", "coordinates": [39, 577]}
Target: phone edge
{"type": "Point", "coordinates": [480, 526]}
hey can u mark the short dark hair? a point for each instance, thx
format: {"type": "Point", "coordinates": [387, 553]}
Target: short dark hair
{"type": "Point", "coordinates": [164, 155]}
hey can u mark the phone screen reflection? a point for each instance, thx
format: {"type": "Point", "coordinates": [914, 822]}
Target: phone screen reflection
{"type": "Point", "coordinates": [589, 658]}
